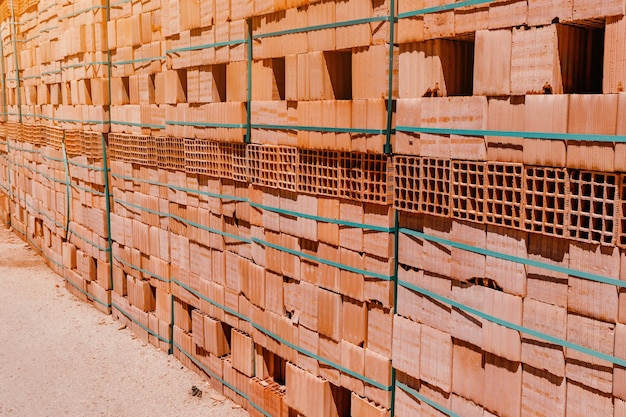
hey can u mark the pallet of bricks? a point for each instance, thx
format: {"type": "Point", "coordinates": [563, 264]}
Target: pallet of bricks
{"type": "Point", "coordinates": [510, 190]}
{"type": "Point", "coordinates": [261, 251]}
{"type": "Point", "coordinates": [252, 227]}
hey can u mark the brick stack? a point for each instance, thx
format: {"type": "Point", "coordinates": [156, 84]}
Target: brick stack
{"type": "Point", "coordinates": [253, 211]}
{"type": "Point", "coordinates": [553, 200]}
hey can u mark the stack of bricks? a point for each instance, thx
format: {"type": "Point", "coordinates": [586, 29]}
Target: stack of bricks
{"type": "Point", "coordinates": [252, 209]}
{"type": "Point", "coordinates": [498, 200]}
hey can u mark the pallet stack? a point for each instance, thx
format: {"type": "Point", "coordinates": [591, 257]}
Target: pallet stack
{"type": "Point", "coordinates": [551, 200]}
{"type": "Point", "coordinates": [262, 232]}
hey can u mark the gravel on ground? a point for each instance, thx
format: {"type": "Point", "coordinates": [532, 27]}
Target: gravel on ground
{"type": "Point", "coordinates": [61, 357]}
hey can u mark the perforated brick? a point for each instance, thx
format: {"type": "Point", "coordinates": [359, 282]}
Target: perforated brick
{"type": "Point", "coordinates": [318, 172]}
{"type": "Point", "coordinates": [171, 153]}
{"type": "Point", "coordinates": [287, 168]}
{"type": "Point", "coordinates": [52, 136]}
{"type": "Point", "coordinates": [73, 143]}
{"type": "Point", "coordinates": [407, 181]}
{"type": "Point", "coordinates": [468, 190]}
{"type": "Point", "coordinates": [199, 155]}
{"type": "Point", "coordinates": [92, 144]}
{"type": "Point", "coordinates": [236, 155]}
{"type": "Point", "coordinates": [593, 205]}
{"type": "Point", "coordinates": [435, 186]}
{"type": "Point", "coordinates": [504, 194]}
{"type": "Point", "coordinates": [351, 175]}
{"type": "Point", "coordinates": [134, 149]}
{"type": "Point", "coordinates": [545, 201]}
{"type": "Point", "coordinates": [377, 179]}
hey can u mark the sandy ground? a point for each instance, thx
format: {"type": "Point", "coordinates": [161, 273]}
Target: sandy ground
{"type": "Point", "coordinates": [61, 357]}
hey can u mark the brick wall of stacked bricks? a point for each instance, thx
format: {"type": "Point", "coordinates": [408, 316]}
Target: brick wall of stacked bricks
{"type": "Point", "coordinates": [335, 208]}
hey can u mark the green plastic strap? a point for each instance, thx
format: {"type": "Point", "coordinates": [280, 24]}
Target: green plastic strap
{"type": "Point", "coordinates": [177, 188]}
{"type": "Point", "coordinates": [88, 294]}
{"type": "Point", "coordinates": [583, 137]}
{"type": "Point", "coordinates": [51, 72]}
{"type": "Point", "coordinates": [517, 259]}
{"type": "Point", "coordinates": [68, 190]}
{"type": "Point", "coordinates": [88, 190]}
{"type": "Point", "coordinates": [131, 318]}
{"type": "Point", "coordinates": [28, 39]}
{"type": "Point", "coordinates": [324, 219]}
{"type": "Point", "coordinates": [260, 242]}
{"type": "Point", "coordinates": [56, 119]}
{"type": "Point", "coordinates": [107, 201]}
{"type": "Point", "coordinates": [147, 125]}
{"type": "Point", "coordinates": [84, 64]}
{"type": "Point", "coordinates": [205, 124]}
{"type": "Point", "coordinates": [324, 26]}
{"type": "Point", "coordinates": [32, 77]}
{"type": "Point", "coordinates": [135, 267]}
{"type": "Point", "coordinates": [86, 166]}
{"type": "Point", "coordinates": [119, 3]}
{"type": "Point", "coordinates": [249, 56]}
{"type": "Point", "coordinates": [17, 65]}
{"type": "Point", "coordinates": [48, 29]}
{"type": "Point", "coordinates": [443, 8]}
{"type": "Point", "coordinates": [35, 171]}
{"type": "Point", "coordinates": [513, 326]}
{"type": "Point", "coordinates": [36, 210]}
{"type": "Point", "coordinates": [320, 129]}
{"type": "Point", "coordinates": [387, 148]}
{"type": "Point", "coordinates": [428, 401]}
{"type": "Point", "coordinates": [285, 342]}
{"type": "Point", "coordinates": [205, 46]}
{"type": "Point", "coordinates": [183, 220]}
{"type": "Point", "coordinates": [88, 9]}
{"type": "Point", "coordinates": [222, 381]}
{"type": "Point", "coordinates": [15, 148]}
{"type": "Point", "coordinates": [137, 61]}
{"type": "Point", "coordinates": [84, 239]}
{"type": "Point", "coordinates": [323, 261]}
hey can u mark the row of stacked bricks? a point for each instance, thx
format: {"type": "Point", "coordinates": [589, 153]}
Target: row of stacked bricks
{"type": "Point", "coordinates": [55, 200]}
{"type": "Point", "coordinates": [525, 229]}
{"type": "Point", "coordinates": [551, 200]}
{"type": "Point", "coordinates": [270, 272]}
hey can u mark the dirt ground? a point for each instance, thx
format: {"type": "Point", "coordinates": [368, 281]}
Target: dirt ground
{"type": "Point", "coordinates": [61, 357]}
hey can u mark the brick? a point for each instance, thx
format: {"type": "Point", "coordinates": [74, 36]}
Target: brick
{"type": "Point", "coordinates": [550, 320]}
{"type": "Point", "coordinates": [497, 339]}
{"type": "Point", "coordinates": [532, 67]}
{"type": "Point", "coordinates": [421, 308]}
{"type": "Point", "coordinates": [545, 200]}
{"type": "Point", "coordinates": [542, 393]}
{"type": "Point", "coordinates": [464, 407]}
{"type": "Point", "coordinates": [468, 191]}
{"type": "Point", "coordinates": [430, 66]}
{"type": "Point", "coordinates": [510, 14]}
{"type": "Point", "coordinates": [330, 323]}
{"type": "Point", "coordinates": [503, 195]}
{"type": "Point", "coordinates": [435, 186]}
{"type": "Point", "coordinates": [436, 358]}
{"type": "Point", "coordinates": [466, 264]}
{"type": "Point", "coordinates": [352, 358]}
{"type": "Point", "coordinates": [614, 67]}
{"type": "Point", "coordinates": [406, 345]}
{"type": "Point", "coordinates": [585, 369]}
{"type": "Point", "coordinates": [582, 401]}
{"type": "Point", "coordinates": [545, 113]}
{"type": "Point", "coordinates": [216, 340]}
{"type": "Point", "coordinates": [468, 372]}
{"type": "Point", "coordinates": [465, 326]}
{"type": "Point", "coordinates": [503, 382]}
{"type": "Point", "coordinates": [379, 329]}
{"type": "Point", "coordinates": [360, 406]}
{"type": "Point", "coordinates": [601, 119]}
{"type": "Point", "coordinates": [604, 297]}
{"type": "Point", "coordinates": [619, 372]}
{"type": "Point", "coordinates": [492, 65]}
{"type": "Point", "coordinates": [506, 114]}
